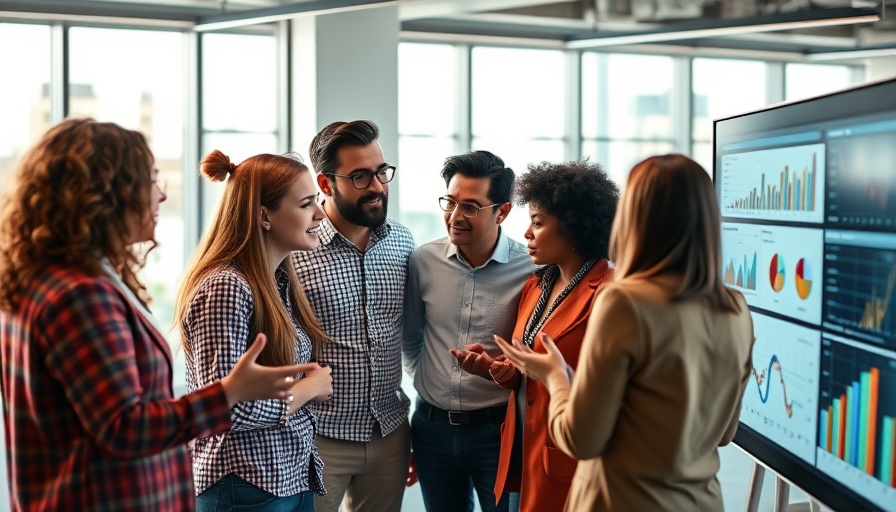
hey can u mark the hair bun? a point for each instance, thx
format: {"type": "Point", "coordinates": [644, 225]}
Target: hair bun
{"type": "Point", "coordinates": [216, 166]}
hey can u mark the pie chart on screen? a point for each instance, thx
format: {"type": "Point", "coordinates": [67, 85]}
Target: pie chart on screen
{"type": "Point", "coordinates": [776, 273]}
{"type": "Point", "coordinates": [803, 278]}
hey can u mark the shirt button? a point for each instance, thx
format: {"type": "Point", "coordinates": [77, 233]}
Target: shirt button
{"type": "Point", "coordinates": [467, 304]}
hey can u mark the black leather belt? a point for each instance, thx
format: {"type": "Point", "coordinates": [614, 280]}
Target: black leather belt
{"type": "Point", "coordinates": [433, 413]}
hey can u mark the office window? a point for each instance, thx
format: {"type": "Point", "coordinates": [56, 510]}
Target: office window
{"type": "Point", "coordinates": [618, 157]}
{"type": "Point", "coordinates": [518, 154]}
{"type": "Point", "coordinates": [239, 103]}
{"type": "Point", "coordinates": [720, 88]}
{"type": "Point", "coordinates": [518, 93]}
{"type": "Point", "coordinates": [24, 93]}
{"type": "Point", "coordinates": [427, 88]}
{"type": "Point", "coordinates": [428, 105]}
{"type": "Point", "coordinates": [807, 80]}
{"type": "Point", "coordinates": [518, 111]}
{"type": "Point", "coordinates": [628, 109]}
{"type": "Point", "coordinates": [138, 83]}
{"type": "Point", "coordinates": [239, 83]}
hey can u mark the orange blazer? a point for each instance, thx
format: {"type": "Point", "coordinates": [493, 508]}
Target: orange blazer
{"type": "Point", "coordinates": [546, 471]}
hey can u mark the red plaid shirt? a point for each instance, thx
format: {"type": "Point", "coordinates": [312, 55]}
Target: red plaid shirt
{"type": "Point", "coordinates": [91, 422]}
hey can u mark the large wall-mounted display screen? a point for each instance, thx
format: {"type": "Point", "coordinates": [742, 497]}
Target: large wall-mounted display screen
{"type": "Point", "coordinates": [807, 192]}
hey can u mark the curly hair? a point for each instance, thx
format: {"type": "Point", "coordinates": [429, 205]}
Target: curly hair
{"type": "Point", "coordinates": [74, 193]}
{"type": "Point", "coordinates": [582, 198]}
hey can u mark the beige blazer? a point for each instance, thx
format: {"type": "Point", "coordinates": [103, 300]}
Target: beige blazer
{"type": "Point", "coordinates": [657, 390]}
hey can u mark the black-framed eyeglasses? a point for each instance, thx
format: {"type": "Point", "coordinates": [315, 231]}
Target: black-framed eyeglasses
{"type": "Point", "coordinates": [362, 179]}
{"type": "Point", "coordinates": [468, 210]}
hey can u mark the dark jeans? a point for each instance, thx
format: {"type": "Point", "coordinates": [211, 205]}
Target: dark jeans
{"type": "Point", "coordinates": [452, 460]}
{"type": "Point", "coordinates": [233, 493]}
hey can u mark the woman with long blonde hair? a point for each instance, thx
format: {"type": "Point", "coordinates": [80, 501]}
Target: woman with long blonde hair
{"type": "Point", "coordinates": [239, 283]}
{"type": "Point", "coordinates": [665, 359]}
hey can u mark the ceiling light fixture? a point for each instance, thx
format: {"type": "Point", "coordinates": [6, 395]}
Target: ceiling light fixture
{"type": "Point", "coordinates": [285, 12]}
{"type": "Point", "coordinates": [867, 52]}
{"type": "Point", "coordinates": [734, 26]}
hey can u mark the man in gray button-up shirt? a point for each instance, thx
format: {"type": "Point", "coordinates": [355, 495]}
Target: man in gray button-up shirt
{"type": "Point", "coordinates": [461, 290]}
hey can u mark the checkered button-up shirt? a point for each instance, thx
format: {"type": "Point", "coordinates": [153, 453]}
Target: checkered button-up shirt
{"type": "Point", "coordinates": [279, 457]}
{"type": "Point", "coordinates": [91, 423]}
{"type": "Point", "coordinates": [358, 298]}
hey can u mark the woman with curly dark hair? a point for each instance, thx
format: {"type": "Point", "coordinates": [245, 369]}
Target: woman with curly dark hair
{"type": "Point", "coordinates": [91, 423]}
{"type": "Point", "coordinates": [571, 211]}
{"type": "Point", "coordinates": [665, 358]}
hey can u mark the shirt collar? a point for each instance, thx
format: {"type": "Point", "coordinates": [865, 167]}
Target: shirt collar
{"type": "Point", "coordinates": [501, 254]}
{"type": "Point", "coordinates": [281, 276]}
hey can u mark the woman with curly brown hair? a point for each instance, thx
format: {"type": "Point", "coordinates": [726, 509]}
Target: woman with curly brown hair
{"type": "Point", "coordinates": [91, 423]}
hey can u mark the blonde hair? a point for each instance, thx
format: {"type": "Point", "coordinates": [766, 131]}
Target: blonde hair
{"type": "Point", "coordinates": [668, 222]}
{"type": "Point", "coordinates": [75, 190]}
{"type": "Point", "coordinates": [236, 236]}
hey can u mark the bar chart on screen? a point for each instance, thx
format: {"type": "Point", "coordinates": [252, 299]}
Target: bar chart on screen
{"type": "Point", "coordinates": [780, 184]}
{"type": "Point", "coordinates": [857, 418]}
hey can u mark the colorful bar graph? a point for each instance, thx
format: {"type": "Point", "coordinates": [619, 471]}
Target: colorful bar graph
{"type": "Point", "coordinates": [795, 191]}
{"type": "Point", "coordinates": [852, 429]}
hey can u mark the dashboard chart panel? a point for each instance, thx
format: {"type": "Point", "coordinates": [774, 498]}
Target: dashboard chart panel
{"type": "Point", "coordinates": [860, 285]}
{"type": "Point", "coordinates": [785, 259]}
{"type": "Point", "coordinates": [782, 395]}
{"type": "Point", "coordinates": [856, 437]}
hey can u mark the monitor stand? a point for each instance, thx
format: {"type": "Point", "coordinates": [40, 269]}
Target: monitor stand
{"type": "Point", "coordinates": [782, 494]}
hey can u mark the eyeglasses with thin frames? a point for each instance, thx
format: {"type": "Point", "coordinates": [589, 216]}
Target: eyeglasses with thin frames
{"type": "Point", "coordinates": [468, 210]}
{"type": "Point", "coordinates": [162, 185]}
{"type": "Point", "coordinates": [363, 179]}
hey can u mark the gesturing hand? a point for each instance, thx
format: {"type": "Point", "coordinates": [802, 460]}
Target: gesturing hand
{"type": "Point", "coordinates": [473, 359]}
{"type": "Point", "coordinates": [251, 381]}
{"type": "Point", "coordinates": [504, 373]}
{"type": "Point", "coordinates": [541, 367]}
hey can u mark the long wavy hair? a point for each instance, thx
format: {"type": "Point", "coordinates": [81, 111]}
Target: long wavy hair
{"type": "Point", "coordinates": [236, 236]}
{"type": "Point", "coordinates": [669, 222]}
{"type": "Point", "coordinates": [74, 193]}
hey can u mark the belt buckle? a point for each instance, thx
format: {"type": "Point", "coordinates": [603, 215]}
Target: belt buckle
{"type": "Point", "coordinates": [461, 415]}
